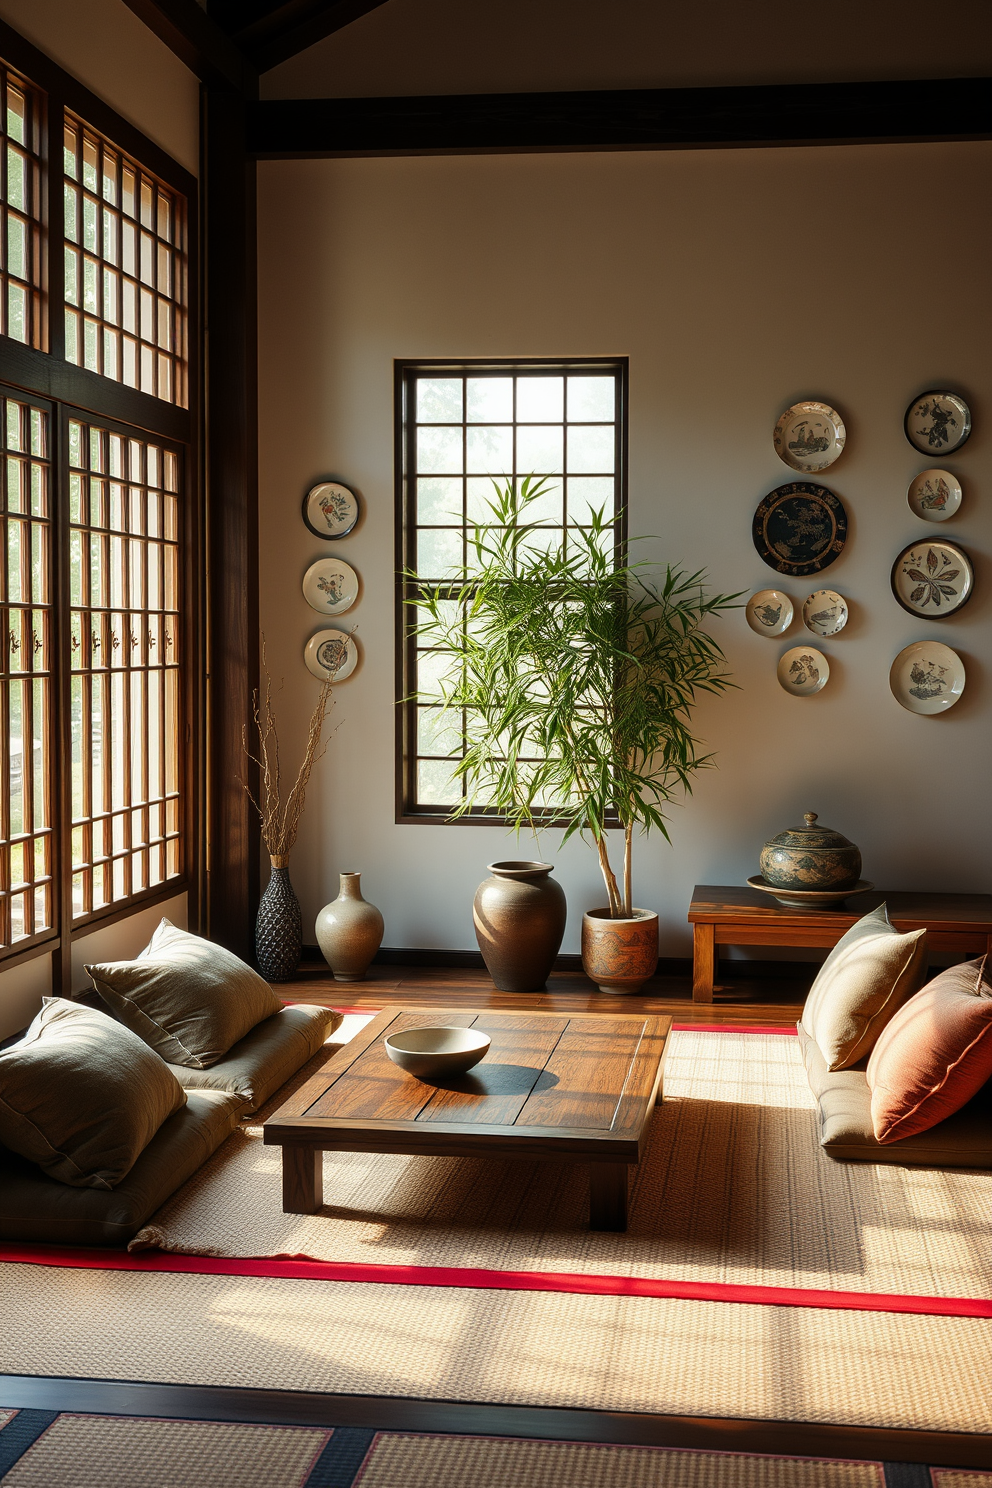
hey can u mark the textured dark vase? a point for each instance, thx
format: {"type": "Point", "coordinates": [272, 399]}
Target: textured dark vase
{"type": "Point", "coordinates": [278, 928]}
{"type": "Point", "coordinates": [519, 918]}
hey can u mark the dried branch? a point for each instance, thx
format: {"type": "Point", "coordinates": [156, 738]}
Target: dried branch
{"type": "Point", "coordinates": [281, 820]}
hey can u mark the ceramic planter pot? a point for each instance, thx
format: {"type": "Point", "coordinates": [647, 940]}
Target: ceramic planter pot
{"type": "Point", "coordinates": [810, 857]}
{"type": "Point", "coordinates": [349, 931]}
{"type": "Point", "coordinates": [519, 915]}
{"type": "Point", "coordinates": [620, 955]}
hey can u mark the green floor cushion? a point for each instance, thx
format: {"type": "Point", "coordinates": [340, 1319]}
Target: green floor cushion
{"type": "Point", "coordinates": [267, 1057]}
{"type": "Point", "coordinates": [82, 1096]}
{"type": "Point", "coordinates": [41, 1210]}
{"type": "Point", "coordinates": [843, 1102]}
{"type": "Point", "coordinates": [189, 999]}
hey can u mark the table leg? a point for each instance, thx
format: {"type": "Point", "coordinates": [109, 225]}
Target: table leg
{"type": "Point", "coordinates": [703, 962]}
{"type": "Point", "coordinates": [607, 1196]}
{"type": "Point", "coordinates": [302, 1179]}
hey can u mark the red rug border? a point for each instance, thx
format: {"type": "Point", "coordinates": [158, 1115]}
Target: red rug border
{"type": "Point", "coordinates": [305, 1268]}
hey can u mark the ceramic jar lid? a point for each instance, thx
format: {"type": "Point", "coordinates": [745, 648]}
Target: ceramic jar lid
{"type": "Point", "coordinates": [810, 836]}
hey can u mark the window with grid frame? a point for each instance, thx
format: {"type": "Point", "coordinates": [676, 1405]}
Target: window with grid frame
{"type": "Point", "coordinates": [461, 427]}
{"type": "Point", "coordinates": [124, 553]}
{"type": "Point", "coordinates": [125, 268]}
{"type": "Point", "coordinates": [21, 109]}
{"type": "Point", "coordinates": [27, 907]}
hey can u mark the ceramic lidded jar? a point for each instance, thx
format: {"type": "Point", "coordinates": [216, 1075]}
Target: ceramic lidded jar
{"type": "Point", "coordinates": [519, 915]}
{"type": "Point", "coordinates": [810, 857]}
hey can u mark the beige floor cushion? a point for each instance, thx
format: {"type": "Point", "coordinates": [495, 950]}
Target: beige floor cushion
{"type": "Point", "coordinates": [267, 1057]}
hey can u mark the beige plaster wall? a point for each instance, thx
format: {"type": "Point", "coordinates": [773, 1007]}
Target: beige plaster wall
{"type": "Point", "coordinates": [448, 46]}
{"type": "Point", "coordinates": [737, 282]}
{"type": "Point", "coordinates": [106, 46]}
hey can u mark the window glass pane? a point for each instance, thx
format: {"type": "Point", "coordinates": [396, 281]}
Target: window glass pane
{"type": "Point", "coordinates": [20, 212]}
{"type": "Point", "coordinates": [489, 400]}
{"type": "Point", "coordinates": [540, 399]}
{"type": "Point", "coordinates": [439, 501]}
{"type": "Point", "coordinates": [588, 494]}
{"type": "Point", "coordinates": [490, 449]}
{"type": "Point", "coordinates": [439, 400]}
{"type": "Point", "coordinates": [591, 398]}
{"type": "Point", "coordinates": [590, 448]}
{"type": "Point", "coordinates": [540, 449]}
{"type": "Point", "coordinates": [439, 450]}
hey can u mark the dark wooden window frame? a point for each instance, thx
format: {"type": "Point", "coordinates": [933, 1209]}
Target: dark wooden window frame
{"type": "Point", "coordinates": [405, 370]}
{"type": "Point", "coordinates": [69, 390]}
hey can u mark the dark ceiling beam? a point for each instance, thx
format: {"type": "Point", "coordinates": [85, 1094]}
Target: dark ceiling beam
{"type": "Point", "coordinates": [667, 118]}
{"type": "Point", "coordinates": [295, 25]}
{"type": "Point", "coordinates": [199, 42]}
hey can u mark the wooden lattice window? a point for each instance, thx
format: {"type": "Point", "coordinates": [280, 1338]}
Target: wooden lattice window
{"type": "Point", "coordinates": [125, 268]}
{"type": "Point", "coordinates": [26, 850]}
{"type": "Point", "coordinates": [124, 513]}
{"type": "Point", "coordinates": [20, 210]}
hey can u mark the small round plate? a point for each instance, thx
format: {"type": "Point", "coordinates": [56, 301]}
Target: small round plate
{"type": "Point", "coordinates": [933, 579]}
{"type": "Point", "coordinates": [331, 655]}
{"type": "Point", "coordinates": [330, 510]}
{"type": "Point", "coordinates": [927, 677]}
{"type": "Point", "coordinates": [938, 421]}
{"type": "Point", "coordinates": [769, 612]}
{"type": "Point", "coordinates": [825, 612]}
{"type": "Point", "coordinates": [330, 586]}
{"type": "Point", "coordinates": [934, 495]}
{"type": "Point", "coordinates": [803, 671]}
{"type": "Point", "coordinates": [809, 436]}
{"type": "Point", "coordinates": [799, 528]}
{"type": "Point", "coordinates": [809, 898]}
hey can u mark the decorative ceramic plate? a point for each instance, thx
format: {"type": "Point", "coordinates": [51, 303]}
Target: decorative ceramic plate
{"type": "Point", "coordinates": [938, 421]}
{"type": "Point", "coordinates": [330, 586]}
{"type": "Point", "coordinates": [800, 528]}
{"type": "Point", "coordinates": [934, 495]}
{"type": "Point", "coordinates": [331, 654]}
{"type": "Point", "coordinates": [933, 579]}
{"type": "Point", "coordinates": [927, 677]}
{"type": "Point", "coordinates": [810, 898]}
{"type": "Point", "coordinates": [809, 436]}
{"type": "Point", "coordinates": [769, 612]}
{"type": "Point", "coordinates": [803, 671]}
{"type": "Point", "coordinates": [330, 510]}
{"type": "Point", "coordinates": [825, 612]}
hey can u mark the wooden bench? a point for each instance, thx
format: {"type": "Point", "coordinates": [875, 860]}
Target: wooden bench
{"type": "Point", "coordinates": [727, 915]}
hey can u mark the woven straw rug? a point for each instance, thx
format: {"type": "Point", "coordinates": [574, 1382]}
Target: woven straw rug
{"type": "Point", "coordinates": [735, 1189]}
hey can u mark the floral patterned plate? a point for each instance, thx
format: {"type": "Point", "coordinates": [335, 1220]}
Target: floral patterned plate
{"type": "Point", "coordinates": [800, 528]}
{"type": "Point", "coordinates": [809, 436]}
{"type": "Point", "coordinates": [803, 671]}
{"type": "Point", "coordinates": [933, 579]}
{"type": "Point", "coordinates": [825, 612]}
{"type": "Point", "coordinates": [330, 510]}
{"type": "Point", "coordinates": [330, 586]}
{"type": "Point", "coordinates": [938, 421]}
{"type": "Point", "coordinates": [769, 612]}
{"type": "Point", "coordinates": [934, 495]}
{"type": "Point", "coordinates": [927, 677]}
{"type": "Point", "coordinates": [331, 655]}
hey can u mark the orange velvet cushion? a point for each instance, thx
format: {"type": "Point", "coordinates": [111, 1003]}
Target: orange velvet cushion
{"type": "Point", "coordinates": [934, 1055]}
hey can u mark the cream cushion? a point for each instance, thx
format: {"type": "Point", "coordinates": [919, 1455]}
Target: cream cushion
{"type": "Point", "coordinates": [867, 977]}
{"type": "Point", "coordinates": [190, 1000]}
{"type": "Point", "coordinates": [82, 1096]}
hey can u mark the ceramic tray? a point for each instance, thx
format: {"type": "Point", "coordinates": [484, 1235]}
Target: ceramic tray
{"type": "Point", "coordinates": [938, 422]}
{"type": "Point", "coordinates": [934, 495]}
{"type": "Point", "coordinates": [809, 436]}
{"type": "Point", "coordinates": [330, 510]}
{"type": "Point", "coordinates": [927, 677]}
{"type": "Point", "coordinates": [825, 612]}
{"type": "Point", "coordinates": [330, 586]}
{"type": "Point", "coordinates": [803, 671]}
{"type": "Point", "coordinates": [933, 579]}
{"type": "Point", "coordinates": [769, 612]}
{"type": "Point", "coordinates": [331, 654]}
{"type": "Point", "coordinates": [800, 528]}
{"type": "Point", "coordinates": [809, 898]}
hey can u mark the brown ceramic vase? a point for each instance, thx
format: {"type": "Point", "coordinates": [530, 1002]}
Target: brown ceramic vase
{"type": "Point", "coordinates": [620, 955]}
{"type": "Point", "coordinates": [519, 918]}
{"type": "Point", "coordinates": [349, 931]}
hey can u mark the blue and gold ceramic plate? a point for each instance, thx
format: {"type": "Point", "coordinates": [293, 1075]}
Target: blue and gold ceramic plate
{"type": "Point", "coordinates": [800, 528]}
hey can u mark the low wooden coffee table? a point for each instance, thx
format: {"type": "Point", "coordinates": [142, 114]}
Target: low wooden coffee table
{"type": "Point", "coordinates": [551, 1086]}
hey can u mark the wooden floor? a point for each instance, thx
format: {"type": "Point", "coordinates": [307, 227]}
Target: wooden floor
{"type": "Point", "coordinates": [770, 1001]}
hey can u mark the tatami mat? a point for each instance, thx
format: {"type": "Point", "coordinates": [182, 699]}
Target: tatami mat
{"type": "Point", "coordinates": [735, 1189]}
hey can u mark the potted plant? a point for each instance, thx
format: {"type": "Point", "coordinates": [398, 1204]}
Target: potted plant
{"type": "Point", "coordinates": [576, 672]}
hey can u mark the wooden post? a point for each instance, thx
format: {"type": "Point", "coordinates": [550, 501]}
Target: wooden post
{"type": "Point", "coordinates": [302, 1179]}
{"type": "Point", "coordinates": [703, 962]}
{"type": "Point", "coordinates": [608, 1196]}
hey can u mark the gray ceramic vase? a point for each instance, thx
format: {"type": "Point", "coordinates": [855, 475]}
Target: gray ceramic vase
{"type": "Point", "coordinates": [519, 915]}
{"type": "Point", "coordinates": [349, 931]}
{"type": "Point", "coordinates": [810, 857]}
{"type": "Point", "coordinates": [278, 927]}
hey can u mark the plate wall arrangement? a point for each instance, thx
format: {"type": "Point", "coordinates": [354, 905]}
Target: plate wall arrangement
{"type": "Point", "coordinates": [331, 654]}
{"type": "Point", "coordinates": [809, 436]}
{"type": "Point", "coordinates": [330, 510]}
{"type": "Point", "coordinates": [800, 528]}
{"type": "Point", "coordinates": [802, 671]}
{"type": "Point", "coordinates": [934, 495]}
{"type": "Point", "coordinates": [769, 612]}
{"type": "Point", "coordinates": [825, 612]}
{"type": "Point", "coordinates": [938, 422]}
{"type": "Point", "coordinates": [330, 586]}
{"type": "Point", "coordinates": [933, 579]}
{"type": "Point", "coordinates": [927, 677]}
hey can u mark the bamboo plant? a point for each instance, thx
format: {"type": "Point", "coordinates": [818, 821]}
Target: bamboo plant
{"type": "Point", "coordinates": [575, 675]}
